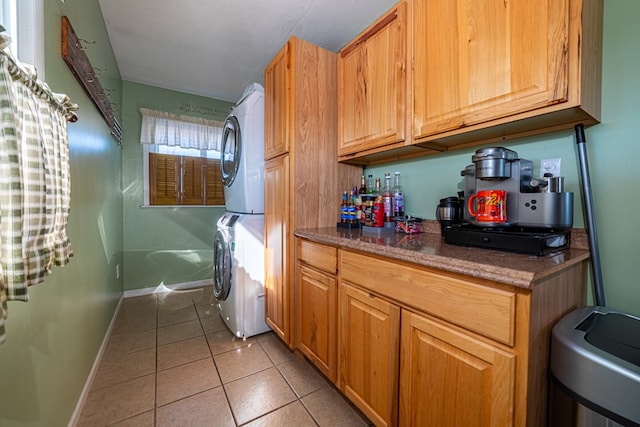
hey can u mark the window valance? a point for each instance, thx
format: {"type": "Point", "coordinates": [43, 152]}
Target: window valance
{"type": "Point", "coordinates": [184, 131]}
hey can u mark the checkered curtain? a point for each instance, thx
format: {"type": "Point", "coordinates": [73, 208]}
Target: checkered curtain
{"type": "Point", "coordinates": [34, 181]}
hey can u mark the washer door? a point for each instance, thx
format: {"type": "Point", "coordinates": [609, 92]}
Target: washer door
{"type": "Point", "coordinates": [231, 149]}
{"type": "Point", "coordinates": [222, 267]}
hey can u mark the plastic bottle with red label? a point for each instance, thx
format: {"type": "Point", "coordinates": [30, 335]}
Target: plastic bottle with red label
{"type": "Point", "coordinates": [377, 216]}
{"type": "Point", "coordinates": [378, 212]}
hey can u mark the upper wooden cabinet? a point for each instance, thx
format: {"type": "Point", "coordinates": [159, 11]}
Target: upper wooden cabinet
{"type": "Point", "coordinates": [486, 60]}
{"type": "Point", "coordinates": [484, 72]}
{"type": "Point", "coordinates": [372, 85]}
{"type": "Point", "coordinates": [276, 118]}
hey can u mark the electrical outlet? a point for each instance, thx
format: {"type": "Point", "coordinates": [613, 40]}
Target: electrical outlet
{"type": "Point", "coordinates": [551, 166]}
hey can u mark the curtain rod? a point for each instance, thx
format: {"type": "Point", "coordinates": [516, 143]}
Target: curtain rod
{"type": "Point", "coordinates": [28, 75]}
{"type": "Point", "coordinates": [146, 112]}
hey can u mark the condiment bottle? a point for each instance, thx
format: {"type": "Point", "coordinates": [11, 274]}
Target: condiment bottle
{"type": "Point", "coordinates": [367, 212]}
{"type": "Point", "coordinates": [351, 209]}
{"type": "Point", "coordinates": [343, 208]}
{"type": "Point", "coordinates": [378, 211]}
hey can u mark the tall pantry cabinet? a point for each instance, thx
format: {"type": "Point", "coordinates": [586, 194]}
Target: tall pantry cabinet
{"type": "Point", "coordinates": [303, 180]}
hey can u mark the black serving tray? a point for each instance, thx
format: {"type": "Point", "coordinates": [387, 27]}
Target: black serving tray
{"type": "Point", "coordinates": [519, 240]}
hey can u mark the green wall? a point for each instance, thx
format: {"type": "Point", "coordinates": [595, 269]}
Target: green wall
{"type": "Point", "coordinates": [613, 152]}
{"type": "Point", "coordinates": [163, 245]}
{"type": "Point", "coordinates": [53, 339]}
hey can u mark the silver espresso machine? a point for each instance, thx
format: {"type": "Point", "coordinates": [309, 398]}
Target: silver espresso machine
{"type": "Point", "coordinates": [539, 212]}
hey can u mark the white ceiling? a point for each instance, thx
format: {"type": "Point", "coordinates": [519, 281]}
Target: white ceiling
{"type": "Point", "coordinates": [214, 48]}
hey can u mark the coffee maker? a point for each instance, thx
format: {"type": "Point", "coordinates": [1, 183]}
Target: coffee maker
{"type": "Point", "coordinates": [531, 203]}
{"type": "Point", "coordinates": [539, 214]}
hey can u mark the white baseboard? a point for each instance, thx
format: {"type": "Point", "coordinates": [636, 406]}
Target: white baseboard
{"type": "Point", "coordinates": [94, 369]}
{"type": "Point", "coordinates": [166, 288]}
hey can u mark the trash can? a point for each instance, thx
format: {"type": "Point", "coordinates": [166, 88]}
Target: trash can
{"type": "Point", "coordinates": [595, 369]}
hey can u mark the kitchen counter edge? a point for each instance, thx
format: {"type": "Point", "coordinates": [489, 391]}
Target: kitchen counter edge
{"type": "Point", "coordinates": [430, 250]}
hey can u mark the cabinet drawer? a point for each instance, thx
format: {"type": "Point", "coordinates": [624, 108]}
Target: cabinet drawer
{"type": "Point", "coordinates": [317, 255]}
{"type": "Point", "coordinates": [479, 308]}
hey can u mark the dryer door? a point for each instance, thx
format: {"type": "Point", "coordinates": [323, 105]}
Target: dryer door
{"type": "Point", "coordinates": [231, 149]}
{"type": "Point", "coordinates": [222, 268]}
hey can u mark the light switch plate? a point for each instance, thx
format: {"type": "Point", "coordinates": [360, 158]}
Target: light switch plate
{"type": "Point", "coordinates": [551, 166]}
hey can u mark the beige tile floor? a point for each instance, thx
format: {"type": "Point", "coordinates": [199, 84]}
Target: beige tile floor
{"type": "Point", "coordinates": [171, 361]}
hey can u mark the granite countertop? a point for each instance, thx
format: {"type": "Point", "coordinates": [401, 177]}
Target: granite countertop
{"type": "Point", "coordinates": [429, 249]}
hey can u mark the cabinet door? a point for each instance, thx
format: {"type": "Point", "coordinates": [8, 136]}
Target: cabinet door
{"type": "Point", "coordinates": [316, 328]}
{"type": "Point", "coordinates": [476, 61]}
{"type": "Point", "coordinates": [452, 379]}
{"type": "Point", "coordinates": [372, 86]}
{"type": "Point", "coordinates": [369, 347]}
{"type": "Point", "coordinates": [276, 105]}
{"type": "Point", "coordinates": [276, 242]}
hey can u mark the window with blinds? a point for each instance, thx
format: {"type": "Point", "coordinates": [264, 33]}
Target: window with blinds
{"type": "Point", "coordinates": [184, 180]}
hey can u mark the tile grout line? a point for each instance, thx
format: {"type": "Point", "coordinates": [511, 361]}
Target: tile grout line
{"type": "Point", "coordinates": [274, 365]}
{"type": "Point", "coordinates": [298, 397]}
{"type": "Point", "coordinates": [155, 396]}
{"type": "Point", "coordinates": [215, 365]}
{"type": "Point", "coordinates": [204, 316]}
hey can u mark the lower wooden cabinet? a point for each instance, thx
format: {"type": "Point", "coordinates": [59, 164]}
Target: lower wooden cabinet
{"type": "Point", "coordinates": [316, 327]}
{"type": "Point", "coordinates": [434, 373]}
{"type": "Point", "coordinates": [416, 346]}
{"type": "Point", "coordinates": [278, 293]}
{"type": "Point", "coordinates": [369, 348]}
{"type": "Point", "coordinates": [316, 301]}
{"type": "Point", "coordinates": [449, 378]}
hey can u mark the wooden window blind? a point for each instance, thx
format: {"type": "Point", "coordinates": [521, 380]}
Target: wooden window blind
{"type": "Point", "coordinates": [184, 180]}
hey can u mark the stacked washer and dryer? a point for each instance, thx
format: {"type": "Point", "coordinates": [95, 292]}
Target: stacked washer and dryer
{"type": "Point", "coordinates": [239, 273]}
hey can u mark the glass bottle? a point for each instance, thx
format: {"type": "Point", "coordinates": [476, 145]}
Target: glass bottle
{"type": "Point", "coordinates": [357, 201]}
{"type": "Point", "coordinates": [387, 198]}
{"type": "Point", "coordinates": [370, 188]}
{"type": "Point", "coordinates": [363, 187]}
{"type": "Point", "coordinates": [398, 197]}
